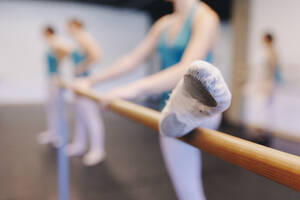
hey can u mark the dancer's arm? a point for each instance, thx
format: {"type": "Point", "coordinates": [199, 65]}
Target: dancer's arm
{"type": "Point", "coordinates": [133, 59]}
{"type": "Point", "coordinates": [205, 28]}
{"type": "Point", "coordinates": [60, 47]}
{"type": "Point", "coordinates": [92, 51]}
{"type": "Point", "coordinates": [272, 60]}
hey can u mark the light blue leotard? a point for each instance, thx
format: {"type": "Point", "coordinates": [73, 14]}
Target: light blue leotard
{"type": "Point", "coordinates": [170, 54]}
{"type": "Point", "coordinates": [277, 75]}
{"type": "Point", "coordinates": [52, 64]}
{"type": "Point", "coordinates": [78, 57]}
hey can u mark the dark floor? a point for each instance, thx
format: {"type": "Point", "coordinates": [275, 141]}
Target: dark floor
{"type": "Point", "coordinates": [133, 170]}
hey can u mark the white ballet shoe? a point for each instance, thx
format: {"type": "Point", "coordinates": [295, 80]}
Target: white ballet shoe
{"type": "Point", "coordinates": [48, 138]}
{"type": "Point", "coordinates": [201, 94]}
{"type": "Point", "coordinates": [44, 138]}
{"type": "Point", "coordinates": [75, 149]}
{"type": "Point", "coordinates": [57, 142]}
{"type": "Point", "coordinates": [93, 157]}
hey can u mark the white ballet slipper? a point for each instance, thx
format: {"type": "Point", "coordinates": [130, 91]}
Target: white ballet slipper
{"type": "Point", "coordinates": [75, 149]}
{"type": "Point", "coordinates": [57, 142]}
{"type": "Point", "coordinates": [44, 138]}
{"type": "Point", "coordinates": [49, 138]}
{"type": "Point", "coordinates": [201, 94]}
{"type": "Point", "coordinates": [93, 157]}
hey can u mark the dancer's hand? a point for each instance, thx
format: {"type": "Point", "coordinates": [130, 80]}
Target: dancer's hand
{"type": "Point", "coordinates": [81, 83]}
{"type": "Point", "coordinates": [79, 71]}
{"type": "Point", "coordinates": [57, 80]}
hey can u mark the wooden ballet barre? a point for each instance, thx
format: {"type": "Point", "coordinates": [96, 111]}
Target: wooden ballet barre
{"type": "Point", "coordinates": [281, 167]}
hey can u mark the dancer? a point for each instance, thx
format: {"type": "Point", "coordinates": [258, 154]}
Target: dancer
{"type": "Point", "coordinates": [186, 35]}
{"type": "Point", "coordinates": [88, 119]}
{"type": "Point", "coordinates": [268, 87]}
{"type": "Point", "coordinates": [273, 77]}
{"type": "Point", "coordinates": [58, 51]}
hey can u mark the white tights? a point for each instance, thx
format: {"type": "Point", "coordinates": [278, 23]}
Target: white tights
{"type": "Point", "coordinates": [52, 110]}
{"type": "Point", "coordinates": [88, 120]}
{"type": "Point", "coordinates": [184, 164]}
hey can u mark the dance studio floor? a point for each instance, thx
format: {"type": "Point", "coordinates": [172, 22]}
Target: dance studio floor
{"type": "Point", "coordinates": [134, 169]}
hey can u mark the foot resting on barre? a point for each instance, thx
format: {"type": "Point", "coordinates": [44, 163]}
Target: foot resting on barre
{"type": "Point", "coordinates": [200, 94]}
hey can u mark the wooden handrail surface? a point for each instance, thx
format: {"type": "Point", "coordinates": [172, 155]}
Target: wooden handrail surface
{"type": "Point", "coordinates": [281, 167]}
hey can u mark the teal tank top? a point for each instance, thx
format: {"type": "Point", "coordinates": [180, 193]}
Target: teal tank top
{"type": "Point", "coordinates": [78, 57]}
{"type": "Point", "coordinates": [170, 54]}
{"type": "Point", "coordinates": [277, 76]}
{"type": "Point", "coordinates": [52, 64]}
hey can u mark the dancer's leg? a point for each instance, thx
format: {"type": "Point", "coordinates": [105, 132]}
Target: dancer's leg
{"type": "Point", "coordinates": [198, 100]}
{"type": "Point", "coordinates": [184, 167]}
{"type": "Point", "coordinates": [95, 126]}
{"type": "Point", "coordinates": [78, 146]}
{"type": "Point", "coordinates": [51, 134]}
{"type": "Point", "coordinates": [184, 164]}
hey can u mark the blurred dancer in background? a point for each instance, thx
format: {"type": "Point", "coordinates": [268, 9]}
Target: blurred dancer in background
{"type": "Point", "coordinates": [268, 87]}
{"type": "Point", "coordinates": [88, 119]}
{"type": "Point", "coordinates": [186, 35]}
{"type": "Point", "coordinates": [58, 51]}
{"type": "Point", "coordinates": [273, 74]}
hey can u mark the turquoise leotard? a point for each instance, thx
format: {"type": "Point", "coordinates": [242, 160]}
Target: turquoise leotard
{"type": "Point", "coordinates": [52, 64]}
{"type": "Point", "coordinates": [277, 75]}
{"type": "Point", "coordinates": [170, 54]}
{"type": "Point", "coordinates": [78, 57]}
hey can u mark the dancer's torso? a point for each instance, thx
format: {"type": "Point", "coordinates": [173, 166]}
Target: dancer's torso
{"type": "Point", "coordinates": [52, 62]}
{"type": "Point", "coordinates": [273, 73]}
{"type": "Point", "coordinates": [78, 57]}
{"type": "Point", "coordinates": [171, 53]}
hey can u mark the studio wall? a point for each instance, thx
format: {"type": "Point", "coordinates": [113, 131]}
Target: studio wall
{"type": "Point", "coordinates": [22, 47]}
